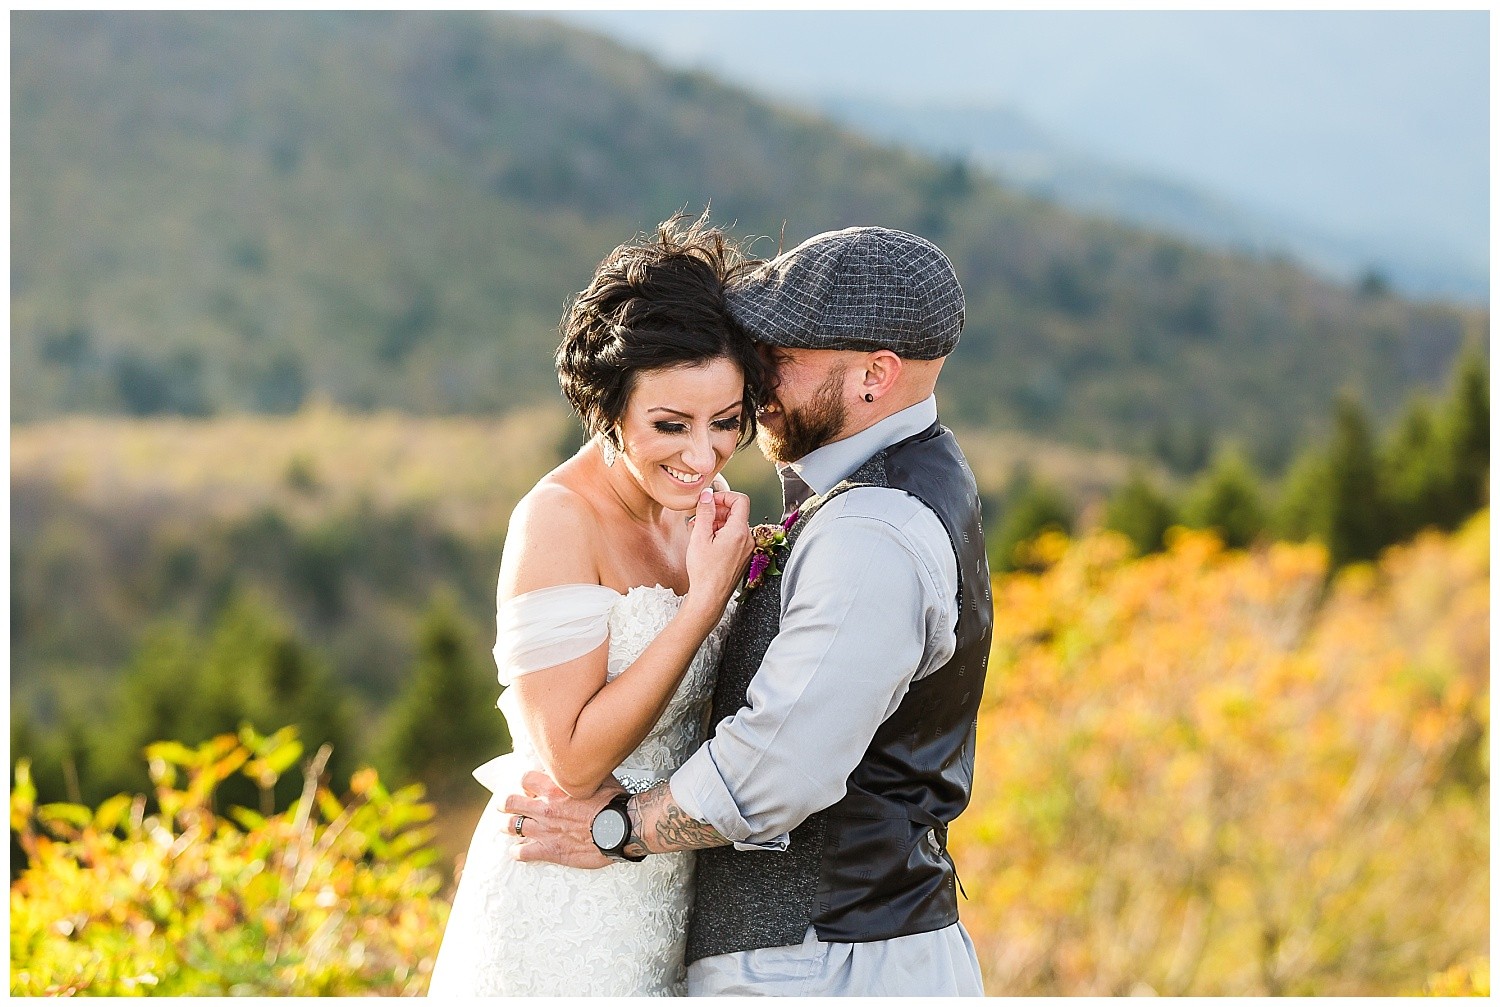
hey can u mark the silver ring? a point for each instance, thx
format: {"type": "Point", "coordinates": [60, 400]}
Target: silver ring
{"type": "Point", "coordinates": [519, 820]}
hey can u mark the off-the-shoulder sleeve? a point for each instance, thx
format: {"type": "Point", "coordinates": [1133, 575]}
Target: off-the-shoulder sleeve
{"type": "Point", "coordinates": [550, 626]}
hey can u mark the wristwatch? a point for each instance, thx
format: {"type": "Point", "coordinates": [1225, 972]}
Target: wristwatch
{"type": "Point", "coordinates": [611, 830]}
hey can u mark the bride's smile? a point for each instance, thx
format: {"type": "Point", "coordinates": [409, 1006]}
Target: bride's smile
{"type": "Point", "coordinates": [680, 427]}
{"type": "Point", "coordinates": [686, 478]}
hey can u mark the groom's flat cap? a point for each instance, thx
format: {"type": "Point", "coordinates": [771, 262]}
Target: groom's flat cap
{"type": "Point", "coordinates": [862, 288]}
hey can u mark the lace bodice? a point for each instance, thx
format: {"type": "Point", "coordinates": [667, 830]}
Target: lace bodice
{"type": "Point", "coordinates": [533, 929]}
{"type": "Point", "coordinates": [635, 619]}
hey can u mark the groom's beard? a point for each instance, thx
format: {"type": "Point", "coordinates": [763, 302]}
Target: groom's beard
{"type": "Point", "coordinates": [804, 430]}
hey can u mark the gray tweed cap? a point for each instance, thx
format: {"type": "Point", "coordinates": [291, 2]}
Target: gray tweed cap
{"type": "Point", "coordinates": [862, 288]}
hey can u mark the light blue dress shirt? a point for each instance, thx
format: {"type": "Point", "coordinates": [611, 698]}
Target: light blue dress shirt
{"type": "Point", "coordinates": [869, 604]}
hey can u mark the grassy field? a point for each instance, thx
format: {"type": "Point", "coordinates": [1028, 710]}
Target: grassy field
{"type": "Point", "coordinates": [468, 472]}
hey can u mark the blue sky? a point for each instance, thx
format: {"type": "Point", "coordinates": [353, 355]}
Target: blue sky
{"type": "Point", "coordinates": [1367, 122]}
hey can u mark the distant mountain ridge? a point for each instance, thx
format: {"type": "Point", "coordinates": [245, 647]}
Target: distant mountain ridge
{"type": "Point", "coordinates": [243, 211]}
{"type": "Point", "coordinates": [1027, 156]}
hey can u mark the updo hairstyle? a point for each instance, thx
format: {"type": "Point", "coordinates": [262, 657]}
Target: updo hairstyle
{"type": "Point", "coordinates": [655, 303]}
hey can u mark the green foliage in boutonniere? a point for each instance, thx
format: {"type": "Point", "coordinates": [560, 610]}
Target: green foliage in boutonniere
{"type": "Point", "coordinates": [770, 547]}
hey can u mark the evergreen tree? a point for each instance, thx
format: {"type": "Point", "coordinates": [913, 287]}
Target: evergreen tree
{"type": "Point", "coordinates": [1436, 467]}
{"type": "Point", "coordinates": [257, 671]}
{"type": "Point", "coordinates": [1183, 447]}
{"type": "Point", "coordinates": [82, 783]}
{"type": "Point", "coordinates": [1467, 429]}
{"type": "Point", "coordinates": [62, 766]}
{"type": "Point", "coordinates": [1302, 507]}
{"type": "Point", "coordinates": [157, 699]}
{"type": "Point", "coordinates": [1356, 511]}
{"type": "Point", "coordinates": [1417, 473]}
{"type": "Point", "coordinates": [1227, 499]}
{"type": "Point", "coordinates": [1140, 512]}
{"type": "Point", "coordinates": [47, 752]}
{"type": "Point", "coordinates": [254, 670]}
{"type": "Point", "coordinates": [27, 742]}
{"type": "Point", "coordinates": [301, 693]}
{"type": "Point", "coordinates": [445, 722]}
{"type": "Point", "coordinates": [1033, 506]}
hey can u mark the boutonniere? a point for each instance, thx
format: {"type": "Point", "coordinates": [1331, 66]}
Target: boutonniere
{"type": "Point", "coordinates": [770, 546]}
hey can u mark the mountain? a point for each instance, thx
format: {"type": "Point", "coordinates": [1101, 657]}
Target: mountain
{"type": "Point", "coordinates": [221, 212]}
{"type": "Point", "coordinates": [1034, 160]}
{"type": "Point", "coordinates": [1361, 136]}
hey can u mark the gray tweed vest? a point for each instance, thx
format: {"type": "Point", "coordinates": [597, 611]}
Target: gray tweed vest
{"type": "Point", "coordinates": [874, 865]}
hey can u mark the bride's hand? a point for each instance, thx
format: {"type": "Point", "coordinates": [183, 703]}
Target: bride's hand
{"type": "Point", "coordinates": [554, 827]}
{"type": "Point", "coordinates": [718, 549]}
{"type": "Point", "coordinates": [724, 501]}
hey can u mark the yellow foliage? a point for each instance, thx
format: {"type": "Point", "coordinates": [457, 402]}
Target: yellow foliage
{"type": "Point", "coordinates": [119, 902]}
{"type": "Point", "coordinates": [1467, 979]}
{"type": "Point", "coordinates": [1211, 772]}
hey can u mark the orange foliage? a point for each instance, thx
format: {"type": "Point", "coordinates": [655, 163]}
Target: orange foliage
{"type": "Point", "coordinates": [327, 898]}
{"type": "Point", "coordinates": [1212, 772]}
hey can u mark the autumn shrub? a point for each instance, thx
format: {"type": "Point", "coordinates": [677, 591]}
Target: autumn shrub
{"type": "Point", "coordinates": [1214, 772]}
{"type": "Point", "coordinates": [1466, 979]}
{"type": "Point", "coordinates": [168, 896]}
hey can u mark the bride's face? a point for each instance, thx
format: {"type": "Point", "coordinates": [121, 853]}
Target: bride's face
{"type": "Point", "coordinates": [680, 427]}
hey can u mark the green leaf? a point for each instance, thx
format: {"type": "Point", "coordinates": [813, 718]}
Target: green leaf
{"type": "Point", "coordinates": [248, 819]}
{"type": "Point", "coordinates": [163, 773]}
{"type": "Point", "coordinates": [112, 812]}
{"type": "Point", "coordinates": [410, 793]}
{"type": "Point", "coordinates": [170, 801]}
{"type": "Point", "coordinates": [422, 858]}
{"type": "Point", "coordinates": [215, 749]}
{"type": "Point", "coordinates": [22, 796]}
{"type": "Point", "coordinates": [329, 805]}
{"type": "Point", "coordinates": [251, 738]}
{"type": "Point", "coordinates": [73, 814]}
{"type": "Point", "coordinates": [409, 842]}
{"type": "Point", "coordinates": [285, 736]}
{"type": "Point", "coordinates": [283, 756]}
{"type": "Point", "coordinates": [172, 752]}
{"type": "Point", "coordinates": [229, 763]}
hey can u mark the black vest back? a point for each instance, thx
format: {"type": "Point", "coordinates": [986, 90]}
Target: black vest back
{"type": "Point", "coordinates": [875, 864]}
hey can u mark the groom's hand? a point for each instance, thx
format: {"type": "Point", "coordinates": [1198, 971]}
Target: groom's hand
{"type": "Point", "coordinates": [556, 828]}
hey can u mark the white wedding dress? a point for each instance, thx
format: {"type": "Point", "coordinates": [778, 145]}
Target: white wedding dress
{"type": "Point", "coordinates": [533, 929]}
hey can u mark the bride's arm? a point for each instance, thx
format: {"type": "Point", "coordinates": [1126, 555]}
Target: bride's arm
{"type": "Point", "coordinates": [583, 726]}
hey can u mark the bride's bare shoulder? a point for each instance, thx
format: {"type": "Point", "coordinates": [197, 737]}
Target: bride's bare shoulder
{"type": "Point", "coordinates": [552, 539]}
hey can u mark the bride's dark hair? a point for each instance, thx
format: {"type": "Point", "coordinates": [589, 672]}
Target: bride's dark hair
{"type": "Point", "coordinates": [656, 302]}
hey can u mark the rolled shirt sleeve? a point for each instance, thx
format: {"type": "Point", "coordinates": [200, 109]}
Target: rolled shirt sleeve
{"type": "Point", "coordinates": [869, 604]}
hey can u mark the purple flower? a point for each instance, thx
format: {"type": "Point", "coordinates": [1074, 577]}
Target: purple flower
{"type": "Point", "coordinates": [758, 563]}
{"type": "Point", "coordinates": [770, 543]}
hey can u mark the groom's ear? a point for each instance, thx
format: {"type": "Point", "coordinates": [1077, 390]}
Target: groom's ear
{"type": "Point", "coordinates": [881, 371]}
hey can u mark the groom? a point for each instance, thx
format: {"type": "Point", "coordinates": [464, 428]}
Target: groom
{"type": "Point", "coordinates": [845, 706]}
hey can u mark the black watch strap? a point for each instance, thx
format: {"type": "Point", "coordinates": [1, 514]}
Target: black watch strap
{"type": "Point", "coordinates": [621, 803]}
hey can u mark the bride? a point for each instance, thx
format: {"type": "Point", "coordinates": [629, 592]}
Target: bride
{"type": "Point", "coordinates": [617, 572]}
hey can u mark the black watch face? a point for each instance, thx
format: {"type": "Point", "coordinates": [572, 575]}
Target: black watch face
{"type": "Point", "coordinates": [609, 829]}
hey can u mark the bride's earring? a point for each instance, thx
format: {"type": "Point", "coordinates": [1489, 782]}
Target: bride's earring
{"type": "Point", "coordinates": [607, 448]}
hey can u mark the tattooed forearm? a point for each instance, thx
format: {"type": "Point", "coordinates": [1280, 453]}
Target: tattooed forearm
{"type": "Point", "coordinates": [658, 825]}
{"type": "Point", "coordinates": [676, 831]}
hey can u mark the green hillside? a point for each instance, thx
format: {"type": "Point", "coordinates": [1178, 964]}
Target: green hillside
{"type": "Point", "coordinates": [223, 212]}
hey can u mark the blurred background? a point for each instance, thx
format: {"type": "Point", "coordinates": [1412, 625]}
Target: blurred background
{"type": "Point", "coordinates": [284, 296]}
